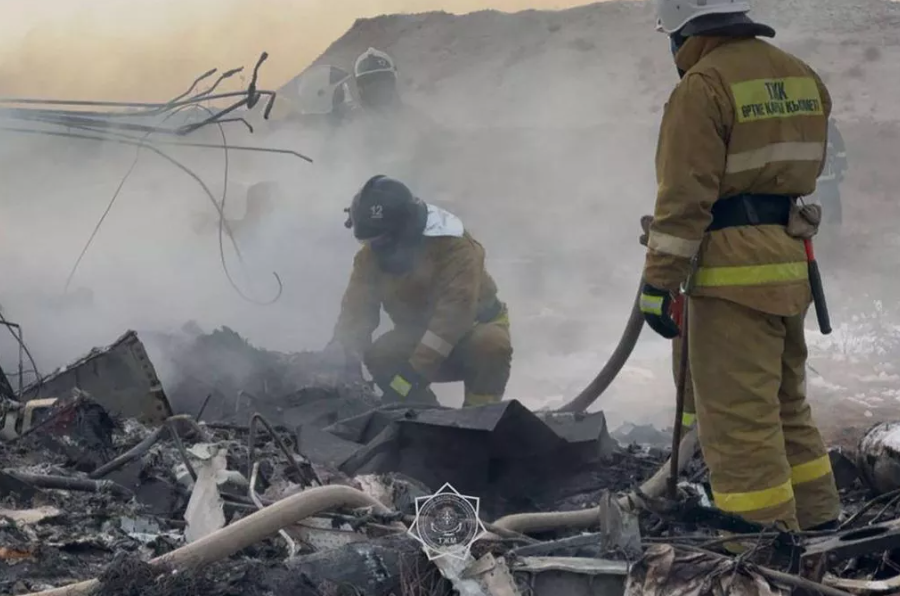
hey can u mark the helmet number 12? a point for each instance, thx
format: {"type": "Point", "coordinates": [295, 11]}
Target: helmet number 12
{"type": "Point", "coordinates": [375, 212]}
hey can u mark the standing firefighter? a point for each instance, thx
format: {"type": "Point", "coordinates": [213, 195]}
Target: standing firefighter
{"type": "Point", "coordinates": [742, 138]}
{"type": "Point", "coordinates": [676, 307]}
{"type": "Point", "coordinates": [419, 263]}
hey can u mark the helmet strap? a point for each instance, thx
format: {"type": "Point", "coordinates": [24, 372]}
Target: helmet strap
{"type": "Point", "coordinates": [676, 40]}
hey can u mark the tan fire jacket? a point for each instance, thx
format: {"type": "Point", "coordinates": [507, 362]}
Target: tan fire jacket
{"type": "Point", "coordinates": [440, 298]}
{"type": "Point", "coordinates": [746, 118]}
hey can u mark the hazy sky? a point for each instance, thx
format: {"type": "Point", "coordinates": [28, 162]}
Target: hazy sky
{"type": "Point", "coordinates": [151, 49]}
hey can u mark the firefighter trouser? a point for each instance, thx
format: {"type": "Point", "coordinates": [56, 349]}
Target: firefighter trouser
{"type": "Point", "coordinates": [481, 359]}
{"type": "Point", "coordinates": [689, 416]}
{"type": "Point", "coordinates": [766, 458]}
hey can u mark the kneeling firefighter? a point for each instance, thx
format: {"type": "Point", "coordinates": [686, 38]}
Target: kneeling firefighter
{"type": "Point", "coordinates": [419, 263]}
{"type": "Point", "coordinates": [742, 139]}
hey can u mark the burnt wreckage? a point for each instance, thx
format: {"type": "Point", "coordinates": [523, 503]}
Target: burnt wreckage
{"type": "Point", "coordinates": [280, 477]}
{"type": "Point", "coordinates": [288, 480]}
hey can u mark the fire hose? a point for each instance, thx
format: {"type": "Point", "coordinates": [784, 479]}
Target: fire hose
{"type": "Point", "coordinates": [269, 521]}
{"type": "Point", "coordinates": [291, 510]}
{"type": "Point", "coordinates": [623, 349]}
{"type": "Point", "coordinates": [655, 486]}
{"type": "Point", "coordinates": [616, 361]}
{"type": "Point", "coordinates": [245, 532]}
{"type": "Point", "coordinates": [683, 451]}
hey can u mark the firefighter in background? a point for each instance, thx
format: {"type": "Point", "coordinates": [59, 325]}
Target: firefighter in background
{"type": "Point", "coordinates": [828, 186]}
{"type": "Point", "coordinates": [379, 97]}
{"type": "Point", "coordinates": [419, 264]}
{"type": "Point", "coordinates": [742, 136]}
{"type": "Point", "coordinates": [376, 81]}
{"type": "Point", "coordinates": [389, 134]}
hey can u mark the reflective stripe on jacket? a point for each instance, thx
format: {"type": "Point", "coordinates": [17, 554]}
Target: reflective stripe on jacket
{"type": "Point", "coordinates": [746, 118]}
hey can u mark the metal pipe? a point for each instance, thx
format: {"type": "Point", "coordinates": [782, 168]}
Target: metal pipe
{"type": "Point", "coordinates": [525, 523]}
{"type": "Point", "coordinates": [309, 479]}
{"type": "Point", "coordinates": [67, 483]}
{"type": "Point", "coordinates": [148, 442]}
{"type": "Point", "coordinates": [130, 455]}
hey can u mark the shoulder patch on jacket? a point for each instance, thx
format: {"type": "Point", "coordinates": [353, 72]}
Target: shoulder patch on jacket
{"type": "Point", "coordinates": [442, 223]}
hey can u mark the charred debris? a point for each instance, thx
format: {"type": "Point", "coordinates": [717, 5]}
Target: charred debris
{"type": "Point", "coordinates": [276, 477]}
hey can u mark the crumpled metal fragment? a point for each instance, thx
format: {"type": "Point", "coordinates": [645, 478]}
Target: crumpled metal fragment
{"type": "Point", "coordinates": [665, 570]}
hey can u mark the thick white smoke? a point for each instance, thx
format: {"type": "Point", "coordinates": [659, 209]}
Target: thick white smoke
{"type": "Point", "coordinates": [545, 148]}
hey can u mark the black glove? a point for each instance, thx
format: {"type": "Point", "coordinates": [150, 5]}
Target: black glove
{"type": "Point", "coordinates": [656, 305]}
{"type": "Point", "coordinates": [406, 384]}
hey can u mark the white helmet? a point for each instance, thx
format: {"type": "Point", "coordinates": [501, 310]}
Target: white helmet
{"type": "Point", "coordinates": [372, 61]}
{"type": "Point", "coordinates": [672, 15]}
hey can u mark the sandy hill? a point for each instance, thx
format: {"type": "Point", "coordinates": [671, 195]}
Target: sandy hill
{"type": "Point", "coordinates": [561, 110]}
{"type": "Point", "coordinates": [604, 62]}
{"type": "Point", "coordinates": [604, 69]}
{"type": "Point", "coordinates": [547, 154]}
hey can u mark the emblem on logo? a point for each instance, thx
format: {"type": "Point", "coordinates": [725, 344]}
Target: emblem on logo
{"type": "Point", "coordinates": [447, 523]}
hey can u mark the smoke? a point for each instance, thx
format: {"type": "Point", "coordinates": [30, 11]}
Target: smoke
{"type": "Point", "coordinates": [542, 140]}
{"type": "Point", "coordinates": [516, 156]}
{"type": "Point", "coordinates": [147, 49]}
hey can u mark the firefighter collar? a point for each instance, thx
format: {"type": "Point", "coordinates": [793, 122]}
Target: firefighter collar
{"type": "Point", "coordinates": [442, 223]}
{"type": "Point", "coordinates": [695, 48]}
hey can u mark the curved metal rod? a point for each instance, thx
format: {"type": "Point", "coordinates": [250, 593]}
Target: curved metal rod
{"type": "Point", "coordinates": [76, 102]}
{"type": "Point", "coordinates": [223, 225]}
{"type": "Point", "coordinates": [225, 75]}
{"type": "Point", "coordinates": [96, 230]}
{"type": "Point", "coordinates": [94, 122]}
{"type": "Point", "coordinates": [153, 108]}
{"type": "Point", "coordinates": [186, 170]}
{"type": "Point", "coordinates": [112, 201]}
{"type": "Point", "coordinates": [252, 95]}
{"type": "Point", "coordinates": [189, 128]}
{"type": "Point", "coordinates": [193, 86]}
{"type": "Point", "coordinates": [130, 455]}
{"type": "Point", "coordinates": [101, 124]}
{"type": "Point", "coordinates": [149, 141]}
{"type": "Point", "coordinates": [292, 461]}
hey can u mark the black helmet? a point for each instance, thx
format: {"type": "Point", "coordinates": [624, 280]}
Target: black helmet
{"type": "Point", "coordinates": [385, 211]}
